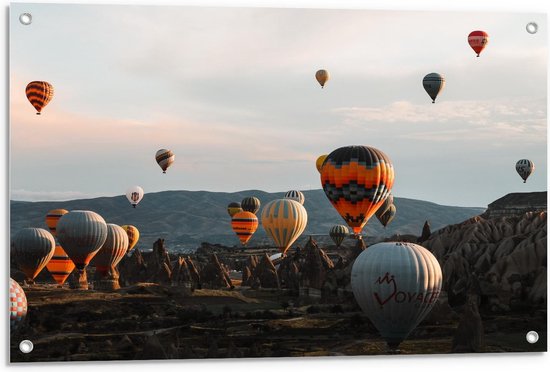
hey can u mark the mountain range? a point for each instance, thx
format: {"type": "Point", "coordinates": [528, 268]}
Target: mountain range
{"type": "Point", "coordinates": [187, 218]}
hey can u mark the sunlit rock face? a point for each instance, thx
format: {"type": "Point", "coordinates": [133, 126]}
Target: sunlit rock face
{"type": "Point", "coordinates": [502, 260]}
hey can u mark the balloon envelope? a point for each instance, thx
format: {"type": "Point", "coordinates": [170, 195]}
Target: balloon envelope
{"type": "Point", "coordinates": [39, 94]}
{"type": "Point", "coordinates": [52, 217]}
{"type": "Point", "coordinates": [357, 180]}
{"type": "Point", "coordinates": [113, 250]}
{"type": "Point", "coordinates": [385, 206]}
{"type": "Point", "coordinates": [319, 162]}
{"type": "Point", "coordinates": [33, 248]}
{"type": "Point", "coordinates": [244, 224]}
{"type": "Point", "coordinates": [338, 233]}
{"type": "Point", "coordinates": [478, 41]}
{"type": "Point", "coordinates": [525, 167]}
{"type": "Point", "coordinates": [60, 265]}
{"type": "Point", "coordinates": [433, 84]}
{"type": "Point", "coordinates": [250, 204]}
{"type": "Point", "coordinates": [284, 220]}
{"type": "Point", "coordinates": [387, 216]}
{"type": "Point", "coordinates": [234, 208]}
{"type": "Point", "coordinates": [164, 158]}
{"type": "Point", "coordinates": [296, 195]}
{"type": "Point", "coordinates": [396, 284]}
{"type": "Point", "coordinates": [18, 304]}
{"type": "Point", "coordinates": [322, 77]}
{"type": "Point", "coordinates": [133, 235]}
{"type": "Point", "coordinates": [134, 195]}
{"type": "Point", "coordinates": [81, 234]}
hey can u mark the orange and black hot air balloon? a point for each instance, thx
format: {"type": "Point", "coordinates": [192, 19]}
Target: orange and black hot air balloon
{"type": "Point", "coordinates": [357, 181]}
{"type": "Point", "coordinates": [60, 266]}
{"type": "Point", "coordinates": [39, 94]}
{"type": "Point", "coordinates": [244, 224]}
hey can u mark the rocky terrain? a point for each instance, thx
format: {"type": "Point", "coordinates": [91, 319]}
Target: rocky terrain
{"type": "Point", "coordinates": [227, 302]}
{"type": "Point", "coordinates": [185, 219]}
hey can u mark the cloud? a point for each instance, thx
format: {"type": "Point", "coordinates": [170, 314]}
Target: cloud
{"type": "Point", "coordinates": [27, 195]}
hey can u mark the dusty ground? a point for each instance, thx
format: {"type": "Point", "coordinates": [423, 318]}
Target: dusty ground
{"type": "Point", "coordinates": [148, 321]}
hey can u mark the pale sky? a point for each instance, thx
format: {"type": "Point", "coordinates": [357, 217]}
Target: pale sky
{"type": "Point", "coordinates": [231, 91]}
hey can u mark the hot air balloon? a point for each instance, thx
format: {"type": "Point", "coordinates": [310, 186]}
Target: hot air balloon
{"type": "Point", "coordinates": [385, 206]}
{"type": "Point", "coordinates": [525, 167]}
{"type": "Point", "coordinates": [478, 41]}
{"type": "Point", "coordinates": [39, 94]}
{"type": "Point", "coordinates": [322, 77]}
{"type": "Point", "coordinates": [387, 216]}
{"type": "Point", "coordinates": [133, 235]}
{"type": "Point", "coordinates": [32, 248]}
{"type": "Point", "coordinates": [357, 180]}
{"type": "Point", "coordinates": [250, 204]}
{"type": "Point", "coordinates": [18, 305]}
{"type": "Point", "coordinates": [284, 220]}
{"type": "Point", "coordinates": [319, 162]}
{"type": "Point", "coordinates": [296, 195]}
{"type": "Point", "coordinates": [134, 195]}
{"type": "Point", "coordinates": [338, 233]}
{"type": "Point", "coordinates": [396, 284]}
{"type": "Point", "coordinates": [112, 251]}
{"type": "Point", "coordinates": [165, 158]}
{"type": "Point", "coordinates": [234, 208]}
{"type": "Point", "coordinates": [244, 224]}
{"type": "Point", "coordinates": [81, 234]}
{"type": "Point", "coordinates": [60, 265]}
{"type": "Point", "coordinates": [433, 84]}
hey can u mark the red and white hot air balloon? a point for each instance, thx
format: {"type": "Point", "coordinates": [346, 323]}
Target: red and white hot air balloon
{"type": "Point", "coordinates": [478, 41]}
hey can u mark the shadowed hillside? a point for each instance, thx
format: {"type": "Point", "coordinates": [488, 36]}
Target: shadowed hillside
{"type": "Point", "coordinates": [187, 218]}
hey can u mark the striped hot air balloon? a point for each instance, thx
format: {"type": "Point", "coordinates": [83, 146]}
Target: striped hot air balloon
{"type": "Point", "coordinates": [234, 208]}
{"type": "Point", "coordinates": [133, 235]}
{"type": "Point", "coordinates": [525, 167]}
{"type": "Point", "coordinates": [39, 94]}
{"type": "Point", "coordinates": [250, 204]}
{"type": "Point", "coordinates": [338, 233]}
{"type": "Point", "coordinates": [387, 216]}
{"type": "Point", "coordinates": [112, 251]}
{"type": "Point", "coordinates": [284, 220]}
{"type": "Point", "coordinates": [18, 305]}
{"type": "Point", "coordinates": [244, 224]}
{"type": "Point", "coordinates": [32, 248]}
{"type": "Point", "coordinates": [296, 195]}
{"type": "Point", "coordinates": [164, 158]}
{"type": "Point", "coordinates": [81, 234]}
{"type": "Point", "coordinates": [60, 266]}
{"type": "Point", "coordinates": [357, 180]}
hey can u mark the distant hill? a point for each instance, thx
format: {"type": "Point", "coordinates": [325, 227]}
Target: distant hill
{"type": "Point", "coordinates": [187, 218]}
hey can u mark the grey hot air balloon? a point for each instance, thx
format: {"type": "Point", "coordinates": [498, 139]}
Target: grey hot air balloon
{"type": "Point", "coordinates": [396, 284]}
{"type": "Point", "coordinates": [32, 248]}
{"type": "Point", "coordinates": [296, 195]}
{"type": "Point", "coordinates": [385, 206]}
{"type": "Point", "coordinates": [112, 251]}
{"type": "Point", "coordinates": [525, 167]}
{"type": "Point", "coordinates": [433, 84]}
{"type": "Point", "coordinates": [388, 216]}
{"type": "Point", "coordinates": [81, 234]}
{"type": "Point", "coordinates": [250, 204]}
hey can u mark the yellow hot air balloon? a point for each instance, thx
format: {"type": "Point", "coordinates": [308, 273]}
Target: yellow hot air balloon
{"type": "Point", "coordinates": [320, 161]}
{"type": "Point", "coordinates": [60, 266]}
{"type": "Point", "coordinates": [133, 235]}
{"type": "Point", "coordinates": [322, 77]}
{"type": "Point", "coordinates": [284, 220]}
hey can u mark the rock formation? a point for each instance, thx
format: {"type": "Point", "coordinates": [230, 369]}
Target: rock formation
{"type": "Point", "coordinates": [315, 266]}
{"type": "Point", "coordinates": [132, 269]}
{"type": "Point", "coordinates": [469, 336]}
{"type": "Point", "coordinates": [266, 273]}
{"type": "Point", "coordinates": [426, 232]}
{"type": "Point", "coordinates": [159, 267]}
{"type": "Point", "coordinates": [213, 275]}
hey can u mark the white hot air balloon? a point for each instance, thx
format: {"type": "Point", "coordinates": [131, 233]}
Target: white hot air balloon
{"type": "Point", "coordinates": [134, 195]}
{"type": "Point", "coordinates": [396, 284]}
{"type": "Point", "coordinates": [296, 195]}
